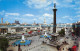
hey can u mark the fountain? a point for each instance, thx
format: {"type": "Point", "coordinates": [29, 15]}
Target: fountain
{"type": "Point", "coordinates": [45, 36]}
{"type": "Point", "coordinates": [22, 41]}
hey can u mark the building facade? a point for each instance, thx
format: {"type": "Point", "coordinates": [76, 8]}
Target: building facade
{"type": "Point", "coordinates": [76, 28]}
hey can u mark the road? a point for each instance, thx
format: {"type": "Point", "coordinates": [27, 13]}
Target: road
{"type": "Point", "coordinates": [37, 45]}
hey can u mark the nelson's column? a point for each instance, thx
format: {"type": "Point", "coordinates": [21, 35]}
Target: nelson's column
{"type": "Point", "coordinates": [54, 18]}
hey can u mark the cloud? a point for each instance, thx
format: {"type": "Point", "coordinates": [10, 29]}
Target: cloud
{"type": "Point", "coordinates": [13, 14]}
{"type": "Point", "coordinates": [48, 3]}
{"type": "Point", "coordinates": [77, 2]}
{"type": "Point", "coordinates": [34, 19]}
{"type": "Point", "coordinates": [77, 16]}
{"type": "Point", "coordinates": [47, 15]}
{"type": "Point", "coordinates": [12, 19]}
{"type": "Point", "coordinates": [69, 1]}
{"type": "Point", "coordinates": [48, 8]}
{"type": "Point", "coordinates": [28, 15]}
{"type": "Point", "coordinates": [38, 3]}
{"type": "Point", "coordinates": [71, 19]}
{"type": "Point", "coordinates": [2, 12]}
{"type": "Point", "coordinates": [78, 8]}
{"type": "Point", "coordinates": [66, 17]}
{"type": "Point", "coordinates": [41, 18]}
{"type": "Point", "coordinates": [16, 16]}
{"type": "Point", "coordinates": [78, 12]}
{"type": "Point", "coordinates": [65, 3]}
{"type": "Point", "coordinates": [68, 6]}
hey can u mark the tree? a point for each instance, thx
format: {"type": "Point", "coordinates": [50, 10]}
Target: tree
{"type": "Point", "coordinates": [62, 32]}
{"type": "Point", "coordinates": [3, 44]}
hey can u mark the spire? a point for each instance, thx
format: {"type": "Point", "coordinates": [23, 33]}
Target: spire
{"type": "Point", "coordinates": [44, 21]}
{"type": "Point", "coordinates": [34, 23]}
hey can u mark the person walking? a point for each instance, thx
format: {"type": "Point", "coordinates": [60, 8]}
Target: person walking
{"type": "Point", "coordinates": [58, 47]}
{"type": "Point", "coordinates": [69, 49]}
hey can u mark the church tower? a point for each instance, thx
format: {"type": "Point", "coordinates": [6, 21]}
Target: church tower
{"type": "Point", "coordinates": [54, 18]}
{"type": "Point", "coordinates": [1, 20]}
{"type": "Point", "coordinates": [44, 21]}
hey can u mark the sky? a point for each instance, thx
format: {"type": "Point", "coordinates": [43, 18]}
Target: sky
{"type": "Point", "coordinates": [28, 11]}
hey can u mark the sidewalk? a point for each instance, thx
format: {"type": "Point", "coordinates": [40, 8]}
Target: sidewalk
{"type": "Point", "coordinates": [65, 47]}
{"type": "Point", "coordinates": [13, 48]}
{"type": "Point", "coordinates": [79, 46]}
